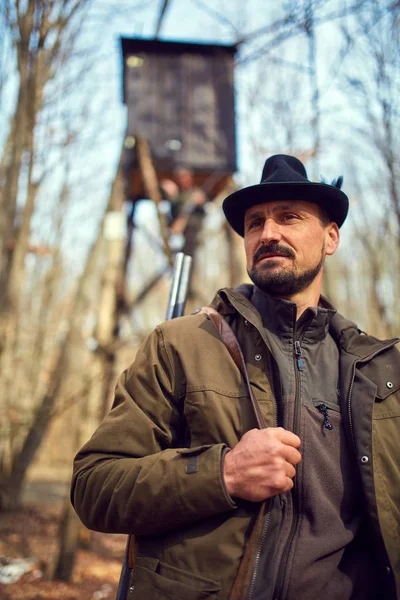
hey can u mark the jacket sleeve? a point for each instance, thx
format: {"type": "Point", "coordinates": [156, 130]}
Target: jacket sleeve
{"type": "Point", "coordinates": [130, 477]}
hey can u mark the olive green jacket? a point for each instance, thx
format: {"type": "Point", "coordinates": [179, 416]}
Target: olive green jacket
{"type": "Point", "coordinates": [153, 468]}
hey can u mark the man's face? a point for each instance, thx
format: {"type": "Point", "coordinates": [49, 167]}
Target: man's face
{"type": "Point", "coordinates": [286, 244]}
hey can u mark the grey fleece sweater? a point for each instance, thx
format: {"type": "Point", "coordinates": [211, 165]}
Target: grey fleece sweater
{"type": "Point", "coordinates": [320, 552]}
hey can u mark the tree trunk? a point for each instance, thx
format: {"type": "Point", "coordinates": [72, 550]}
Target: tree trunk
{"type": "Point", "coordinates": [69, 535]}
{"type": "Point", "coordinates": [11, 487]}
{"type": "Point", "coordinates": [20, 133]}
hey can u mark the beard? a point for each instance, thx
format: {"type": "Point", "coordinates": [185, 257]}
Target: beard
{"type": "Point", "coordinates": [286, 281]}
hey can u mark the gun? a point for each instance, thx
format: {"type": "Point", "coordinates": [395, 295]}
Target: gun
{"type": "Point", "coordinates": [179, 286]}
{"type": "Point", "coordinates": [176, 307]}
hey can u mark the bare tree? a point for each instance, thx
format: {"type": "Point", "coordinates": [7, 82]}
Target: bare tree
{"type": "Point", "coordinates": [41, 33]}
{"type": "Point", "coordinates": [374, 90]}
{"type": "Point", "coordinates": [39, 302]}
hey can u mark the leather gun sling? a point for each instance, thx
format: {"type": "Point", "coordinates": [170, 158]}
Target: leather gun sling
{"type": "Point", "coordinates": [132, 551]}
{"type": "Point", "coordinates": [232, 345]}
{"type": "Point", "coordinates": [241, 582]}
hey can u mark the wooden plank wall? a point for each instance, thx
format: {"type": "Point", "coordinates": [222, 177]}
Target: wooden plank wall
{"type": "Point", "coordinates": [189, 98]}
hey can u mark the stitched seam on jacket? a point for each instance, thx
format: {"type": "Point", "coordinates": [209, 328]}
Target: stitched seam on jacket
{"type": "Point", "coordinates": [387, 415]}
{"type": "Point", "coordinates": [209, 388]}
{"type": "Point", "coordinates": [382, 490]}
{"type": "Point", "coordinates": [163, 346]}
{"type": "Point", "coordinates": [263, 398]}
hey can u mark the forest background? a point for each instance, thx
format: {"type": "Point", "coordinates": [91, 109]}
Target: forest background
{"type": "Point", "coordinates": [316, 78]}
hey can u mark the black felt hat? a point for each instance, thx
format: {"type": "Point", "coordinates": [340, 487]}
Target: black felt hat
{"type": "Point", "coordinates": [285, 178]}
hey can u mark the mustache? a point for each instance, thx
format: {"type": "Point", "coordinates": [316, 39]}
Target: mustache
{"type": "Point", "coordinates": [272, 248]}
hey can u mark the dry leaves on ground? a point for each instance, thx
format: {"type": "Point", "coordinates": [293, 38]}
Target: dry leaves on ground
{"type": "Point", "coordinates": [33, 534]}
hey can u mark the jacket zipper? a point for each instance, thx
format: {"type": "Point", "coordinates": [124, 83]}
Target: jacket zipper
{"type": "Point", "coordinates": [267, 517]}
{"type": "Point", "coordinates": [258, 553]}
{"type": "Point", "coordinates": [299, 366]}
{"type": "Point", "coordinates": [357, 362]}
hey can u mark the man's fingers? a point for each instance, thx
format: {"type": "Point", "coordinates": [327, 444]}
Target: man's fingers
{"type": "Point", "coordinates": [286, 437]}
{"type": "Point", "coordinates": [290, 485]}
{"type": "Point", "coordinates": [290, 454]}
{"type": "Point", "coordinates": [290, 470]}
{"type": "Point", "coordinates": [286, 487]}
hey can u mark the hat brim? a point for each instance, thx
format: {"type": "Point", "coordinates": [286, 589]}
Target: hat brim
{"type": "Point", "coordinates": [331, 199]}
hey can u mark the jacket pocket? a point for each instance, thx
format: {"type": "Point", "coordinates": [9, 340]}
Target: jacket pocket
{"type": "Point", "coordinates": [329, 412]}
{"type": "Point", "coordinates": [154, 580]}
{"type": "Point", "coordinates": [329, 405]}
{"type": "Point", "coordinates": [388, 407]}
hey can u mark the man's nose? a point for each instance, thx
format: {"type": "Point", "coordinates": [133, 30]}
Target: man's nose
{"type": "Point", "coordinates": [271, 232]}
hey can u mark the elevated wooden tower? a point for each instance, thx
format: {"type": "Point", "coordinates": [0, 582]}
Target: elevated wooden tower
{"type": "Point", "coordinates": [180, 98]}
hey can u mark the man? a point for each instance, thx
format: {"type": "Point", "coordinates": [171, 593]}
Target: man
{"type": "Point", "coordinates": [187, 211]}
{"type": "Point", "coordinates": [180, 463]}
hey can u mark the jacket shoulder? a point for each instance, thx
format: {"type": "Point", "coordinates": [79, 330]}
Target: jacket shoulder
{"type": "Point", "coordinates": [190, 327]}
{"type": "Point", "coordinates": [384, 369]}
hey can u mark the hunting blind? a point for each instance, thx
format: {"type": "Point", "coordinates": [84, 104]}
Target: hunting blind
{"type": "Point", "coordinates": [180, 98]}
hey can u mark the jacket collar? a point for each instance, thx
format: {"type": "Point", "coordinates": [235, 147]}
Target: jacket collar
{"type": "Point", "coordinates": [356, 342]}
{"type": "Point", "coordinates": [280, 317]}
{"type": "Point", "coordinates": [346, 334]}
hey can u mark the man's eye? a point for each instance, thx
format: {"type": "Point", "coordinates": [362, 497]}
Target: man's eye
{"type": "Point", "coordinates": [289, 217]}
{"type": "Point", "coordinates": [255, 223]}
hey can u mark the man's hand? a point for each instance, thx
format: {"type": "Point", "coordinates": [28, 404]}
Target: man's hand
{"type": "Point", "coordinates": [261, 465]}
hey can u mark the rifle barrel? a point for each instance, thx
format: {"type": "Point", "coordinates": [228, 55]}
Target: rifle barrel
{"type": "Point", "coordinates": [173, 294]}
{"type": "Point", "coordinates": [179, 286]}
{"type": "Point", "coordinates": [183, 287]}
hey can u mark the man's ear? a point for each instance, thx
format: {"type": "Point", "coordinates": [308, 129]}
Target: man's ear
{"type": "Point", "coordinates": [332, 238]}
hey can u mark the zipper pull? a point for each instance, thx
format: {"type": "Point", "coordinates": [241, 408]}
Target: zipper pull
{"type": "Point", "coordinates": [297, 351]}
{"type": "Point", "coordinates": [324, 410]}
